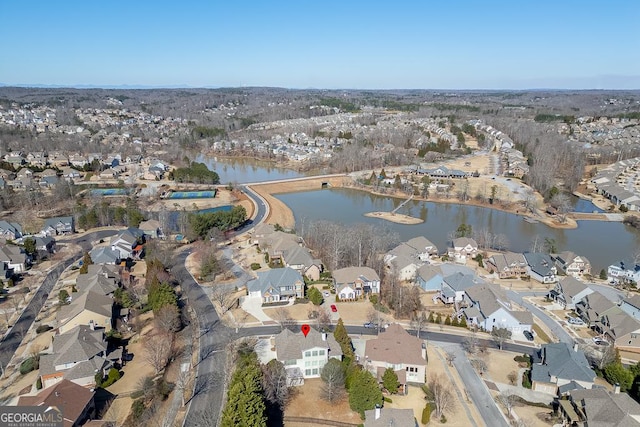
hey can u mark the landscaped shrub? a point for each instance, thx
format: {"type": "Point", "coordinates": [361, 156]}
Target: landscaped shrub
{"type": "Point", "coordinates": [164, 388]}
{"type": "Point", "coordinates": [387, 399]}
{"type": "Point", "coordinates": [43, 328]}
{"type": "Point", "coordinates": [443, 419]}
{"type": "Point", "coordinates": [28, 365]}
{"type": "Point", "coordinates": [137, 409]}
{"type": "Point", "coordinates": [39, 383]}
{"type": "Point", "coordinates": [112, 377]}
{"type": "Point", "coordinates": [426, 414]}
{"type": "Point", "coordinates": [526, 379]}
{"type": "Point", "coordinates": [255, 266]}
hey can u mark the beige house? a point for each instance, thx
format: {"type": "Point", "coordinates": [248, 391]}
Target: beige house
{"type": "Point", "coordinates": [508, 265]}
{"type": "Point", "coordinates": [395, 348]}
{"type": "Point", "coordinates": [88, 308]}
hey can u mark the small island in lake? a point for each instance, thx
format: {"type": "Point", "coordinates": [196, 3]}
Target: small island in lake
{"type": "Point", "coordinates": [395, 217]}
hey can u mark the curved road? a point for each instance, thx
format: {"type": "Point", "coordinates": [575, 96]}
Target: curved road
{"type": "Point", "coordinates": [11, 341]}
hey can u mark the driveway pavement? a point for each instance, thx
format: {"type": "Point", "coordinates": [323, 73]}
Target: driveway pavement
{"type": "Point", "coordinates": [555, 327]}
{"type": "Point", "coordinates": [253, 306]}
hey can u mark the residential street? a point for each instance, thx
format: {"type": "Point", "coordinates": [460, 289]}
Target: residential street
{"type": "Point", "coordinates": [555, 327]}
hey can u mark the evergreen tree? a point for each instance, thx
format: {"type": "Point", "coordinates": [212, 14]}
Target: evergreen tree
{"type": "Point", "coordinates": [364, 393]}
{"type": "Point", "coordinates": [390, 381]}
{"type": "Point", "coordinates": [454, 321]}
{"type": "Point", "coordinates": [161, 294]}
{"type": "Point", "coordinates": [431, 319]}
{"type": "Point", "coordinates": [439, 319]}
{"type": "Point", "coordinates": [463, 323]}
{"type": "Point", "coordinates": [86, 262]}
{"type": "Point", "coordinates": [245, 404]}
{"type": "Point", "coordinates": [447, 320]}
{"type": "Point", "coordinates": [314, 295]}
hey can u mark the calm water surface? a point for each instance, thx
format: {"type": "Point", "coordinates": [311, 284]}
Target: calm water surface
{"type": "Point", "coordinates": [241, 171]}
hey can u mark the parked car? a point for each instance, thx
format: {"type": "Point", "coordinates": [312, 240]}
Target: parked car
{"type": "Point", "coordinates": [370, 325]}
{"type": "Point", "coordinates": [600, 341]}
{"type": "Point", "coordinates": [325, 294]}
{"type": "Point", "coordinates": [575, 321]}
{"type": "Point", "coordinates": [528, 335]}
{"type": "Point", "coordinates": [334, 308]}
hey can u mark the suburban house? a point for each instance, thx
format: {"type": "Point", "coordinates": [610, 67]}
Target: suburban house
{"type": "Point", "coordinates": [354, 282]}
{"type": "Point", "coordinates": [599, 407]}
{"type": "Point", "coordinates": [10, 230]}
{"type": "Point", "coordinates": [557, 369]}
{"type": "Point", "coordinates": [260, 232]}
{"type": "Point", "coordinates": [568, 292]}
{"type": "Point", "coordinates": [14, 257]}
{"type": "Point", "coordinates": [276, 243]}
{"type": "Point", "coordinates": [490, 308]}
{"type": "Point", "coordinates": [151, 228]}
{"type": "Point", "coordinates": [97, 283]}
{"type": "Point", "coordinates": [395, 348]}
{"type": "Point", "coordinates": [76, 402]}
{"type": "Point", "coordinates": [407, 257]}
{"type": "Point", "coordinates": [621, 329]}
{"type": "Point", "coordinates": [299, 258]}
{"type": "Point", "coordinates": [618, 273]}
{"type": "Point", "coordinates": [462, 248]}
{"type": "Point", "coordinates": [455, 285]}
{"type": "Point", "coordinates": [509, 265]}
{"type": "Point", "coordinates": [572, 264]}
{"type": "Point", "coordinates": [278, 284]}
{"type": "Point", "coordinates": [45, 244]}
{"type": "Point", "coordinates": [429, 278]}
{"type": "Point", "coordinates": [58, 225]}
{"type": "Point", "coordinates": [104, 255]}
{"type": "Point", "coordinates": [87, 308]}
{"type": "Point", "coordinates": [541, 267]}
{"type": "Point", "coordinates": [304, 357]}
{"type": "Point", "coordinates": [77, 356]}
{"type": "Point", "coordinates": [385, 417]}
{"type": "Point", "coordinates": [128, 243]}
{"type": "Point", "coordinates": [593, 306]}
{"type": "Point", "coordinates": [631, 306]}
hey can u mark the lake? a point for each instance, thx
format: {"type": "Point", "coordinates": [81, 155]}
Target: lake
{"type": "Point", "coordinates": [240, 171]}
{"type": "Point", "coordinates": [603, 243]}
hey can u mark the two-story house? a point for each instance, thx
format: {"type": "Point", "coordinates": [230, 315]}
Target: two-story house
{"type": "Point", "coordinates": [128, 243]}
{"type": "Point", "coordinates": [304, 357]}
{"type": "Point", "coordinates": [568, 292]}
{"type": "Point", "coordinates": [300, 259]}
{"type": "Point", "coordinates": [353, 282]}
{"type": "Point", "coordinates": [572, 265]}
{"type": "Point", "coordinates": [76, 401]}
{"type": "Point", "coordinates": [278, 284]}
{"type": "Point", "coordinates": [10, 230]}
{"type": "Point", "coordinates": [429, 278]}
{"type": "Point", "coordinates": [622, 272]}
{"type": "Point", "coordinates": [395, 348]}
{"type": "Point", "coordinates": [462, 248]}
{"type": "Point", "coordinates": [86, 308]}
{"type": "Point", "coordinates": [558, 368]}
{"type": "Point", "coordinates": [509, 265]}
{"type": "Point", "coordinates": [490, 308]}
{"type": "Point", "coordinates": [593, 306]}
{"type": "Point", "coordinates": [58, 225]}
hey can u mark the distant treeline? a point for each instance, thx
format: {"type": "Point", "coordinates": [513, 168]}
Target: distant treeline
{"type": "Point", "coordinates": [196, 173]}
{"type": "Point", "coordinates": [346, 106]}
{"type": "Point", "coordinates": [455, 107]}
{"type": "Point", "coordinates": [633, 115]}
{"type": "Point", "coordinates": [549, 118]}
{"type": "Point", "coordinates": [203, 223]}
{"type": "Point", "coordinates": [207, 132]}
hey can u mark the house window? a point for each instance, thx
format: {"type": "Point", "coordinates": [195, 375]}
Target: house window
{"type": "Point", "coordinates": [307, 354]}
{"type": "Point", "coordinates": [307, 372]}
{"type": "Point", "coordinates": [307, 363]}
{"type": "Point", "coordinates": [321, 352]}
{"type": "Point", "coordinates": [315, 353]}
{"type": "Point", "coordinates": [314, 371]}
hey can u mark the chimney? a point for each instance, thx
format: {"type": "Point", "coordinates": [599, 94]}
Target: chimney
{"type": "Point", "coordinates": [57, 394]}
{"type": "Point", "coordinates": [377, 413]}
{"type": "Point", "coordinates": [616, 388]}
{"type": "Point", "coordinates": [324, 336]}
{"type": "Point", "coordinates": [92, 325]}
{"type": "Point", "coordinates": [575, 347]}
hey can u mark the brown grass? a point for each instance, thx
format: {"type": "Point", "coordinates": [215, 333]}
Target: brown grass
{"type": "Point", "coordinates": [307, 403]}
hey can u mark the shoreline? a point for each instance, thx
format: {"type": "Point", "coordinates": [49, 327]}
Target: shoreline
{"type": "Point", "coordinates": [282, 214]}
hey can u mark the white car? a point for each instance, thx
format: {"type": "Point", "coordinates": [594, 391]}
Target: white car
{"type": "Point", "coordinates": [600, 341]}
{"type": "Point", "coordinates": [325, 294]}
{"type": "Point", "coordinates": [575, 321]}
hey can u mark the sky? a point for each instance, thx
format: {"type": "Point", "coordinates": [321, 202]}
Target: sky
{"type": "Point", "coordinates": [348, 44]}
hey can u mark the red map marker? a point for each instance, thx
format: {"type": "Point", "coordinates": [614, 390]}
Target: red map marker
{"type": "Point", "coordinates": [305, 329]}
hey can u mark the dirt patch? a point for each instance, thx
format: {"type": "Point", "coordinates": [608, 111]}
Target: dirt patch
{"type": "Point", "coordinates": [395, 217]}
{"type": "Point", "coordinates": [307, 403]}
{"type": "Point", "coordinates": [500, 364]}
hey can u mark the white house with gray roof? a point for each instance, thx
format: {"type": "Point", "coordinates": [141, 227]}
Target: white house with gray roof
{"type": "Point", "coordinates": [541, 267]}
{"type": "Point", "coordinates": [304, 357]}
{"type": "Point", "coordinates": [558, 366]}
{"type": "Point", "coordinates": [278, 284]}
{"type": "Point", "coordinates": [10, 230]}
{"type": "Point", "coordinates": [569, 291]}
{"type": "Point", "coordinates": [58, 225]}
{"type": "Point", "coordinates": [353, 282]}
{"type": "Point", "coordinates": [490, 308]}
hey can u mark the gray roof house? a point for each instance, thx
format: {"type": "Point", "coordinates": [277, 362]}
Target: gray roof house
{"type": "Point", "coordinates": [304, 357]}
{"type": "Point", "coordinates": [385, 417]}
{"type": "Point", "coordinates": [58, 225]}
{"type": "Point", "coordinates": [75, 356]}
{"type": "Point", "coordinates": [557, 365]}
{"type": "Point", "coordinates": [299, 258]}
{"type": "Point", "coordinates": [569, 291]}
{"type": "Point", "coordinates": [354, 282]}
{"type": "Point", "coordinates": [86, 308]}
{"type": "Point", "coordinates": [599, 407]}
{"type": "Point", "coordinates": [541, 267]}
{"type": "Point", "coordinates": [15, 258]}
{"type": "Point", "coordinates": [593, 306]}
{"type": "Point", "coordinates": [10, 230]}
{"type": "Point", "coordinates": [151, 228]}
{"type": "Point", "coordinates": [277, 284]}
{"type": "Point", "coordinates": [96, 283]}
{"type": "Point", "coordinates": [104, 255]}
{"type": "Point", "coordinates": [490, 308]}
{"type": "Point", "coordinates": [455, 285]}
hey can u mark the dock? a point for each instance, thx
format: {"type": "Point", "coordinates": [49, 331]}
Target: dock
{"type": "Point", "coordinates": [393, 212]}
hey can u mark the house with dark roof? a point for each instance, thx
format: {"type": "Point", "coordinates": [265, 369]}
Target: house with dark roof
{"type": "Point", "coordinates": [429, 278]}
{"type": "Point", "coordinates": [509, 265]}
{"type": "Point", "coordinates": [300, 259]}
{"type": "Point", "coordinates": [58, 225]}
{"type": "Point", "coordinates": [397, 349]}
{"type": "Point", "coordinates": [593, 306]}
{"type": "Point", "coordinates": [454, 286]}
{"type": "Point", "coordinates": [490, 308]}
{"type": "Point", "coordinates": [385, 417]}
{"type": "Point", "coordinates": [568, 292]}
{"type": "Point", "coordinates": [45, 244]}
{"type": "Point", "coordinates": [86, 308]}
{"type": "Point", "coordinates": [75, 401]}
{"type": "Point", "coordinates": [15, 258]}
{"type": "Point", "coordinates": [541, 267]}
{"type": "Point", "coordinates": [623, 272]}
{"type": "Point", "coordinates": [77, 356]}
{"type": "Point", "coordinates": [10, 230]}
{"type": "Point", "coordinates": [557, 365]}
{"type": "Point", "coordinates": [278, 284]}
{"type": "Point", "coordinates": [354, 282]}
{"type": "Point", "coordinates": [104, 255]}
{"type": "Point", "coordinates": [599, 407]}
{"type": "Point", "coordinates": [304, 357]}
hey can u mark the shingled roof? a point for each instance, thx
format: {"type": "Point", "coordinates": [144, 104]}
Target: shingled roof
{"type": "Point", "coordinates": [395, 346]}
{"type": "Point", "coordinates": [291, 345]}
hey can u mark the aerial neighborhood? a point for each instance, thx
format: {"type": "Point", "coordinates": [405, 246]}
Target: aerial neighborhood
{"type": "Point", "coordinates": [337, 259]}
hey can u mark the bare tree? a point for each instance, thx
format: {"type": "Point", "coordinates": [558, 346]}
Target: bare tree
{"type": "Point", "coordinates": [500, 335]}
{"type": "Point", "coordinates": [167, 320]}
{"type": "Point", "coordinates": [450, 356]}
{"type": "Point", "coordinates": [479, 365]}
{"type": "Point", "coordinates": [508, 400]}
{"type": "Point", "coordinates": [274, 383]}
{"type": "Point", "coordinates": [333, 377]}
{"type": "Point", "coordinates": [561, 202]}
{"type": "Point", "coordinates": [158, 351]}
{"type": "Point", "coordinates": [470, 344]}
{"type": "Point", "coordinates": [598, 357]}
{"type": "Point", "coordinates": [224, 298]}
{"type": "Point", "coordinates": [513, 377]}
{"type": "Point", "coordinates": [205, 418]}
{"type": "Point", "coordinates": [283, 317]}
{"type": "Point", "coordinates": [438, 391]}
{"type": "Point", "coordinates": [530, 200]}
{"type": "Point", "coordinates": [419, 321]}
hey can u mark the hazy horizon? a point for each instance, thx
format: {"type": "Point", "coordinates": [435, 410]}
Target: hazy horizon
{"type": "Point", "coordinates": [357, 45]}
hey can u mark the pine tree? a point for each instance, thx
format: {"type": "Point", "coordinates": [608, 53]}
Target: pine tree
{"type": "Point", "coordinates": [245, 404]}
{"type": "Point", "coordinates": [439, 319]}
{"type": "Point", "coordinates": [431, 319]}
{"type": "Point", "coordinates": [341, 335]}
{"type": "Point", "coordinates": [390, 381]}
{"type": "Point", "coordinates": [454, 321]}
{"type": "Point", "coordinates": [364, 393]}
{"type": "Point", "coordinates": [447, 321]}
{"type": "Point", "coordinates": [463, 323]}
{"type": "Point", "coordinates": [86, 262]}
